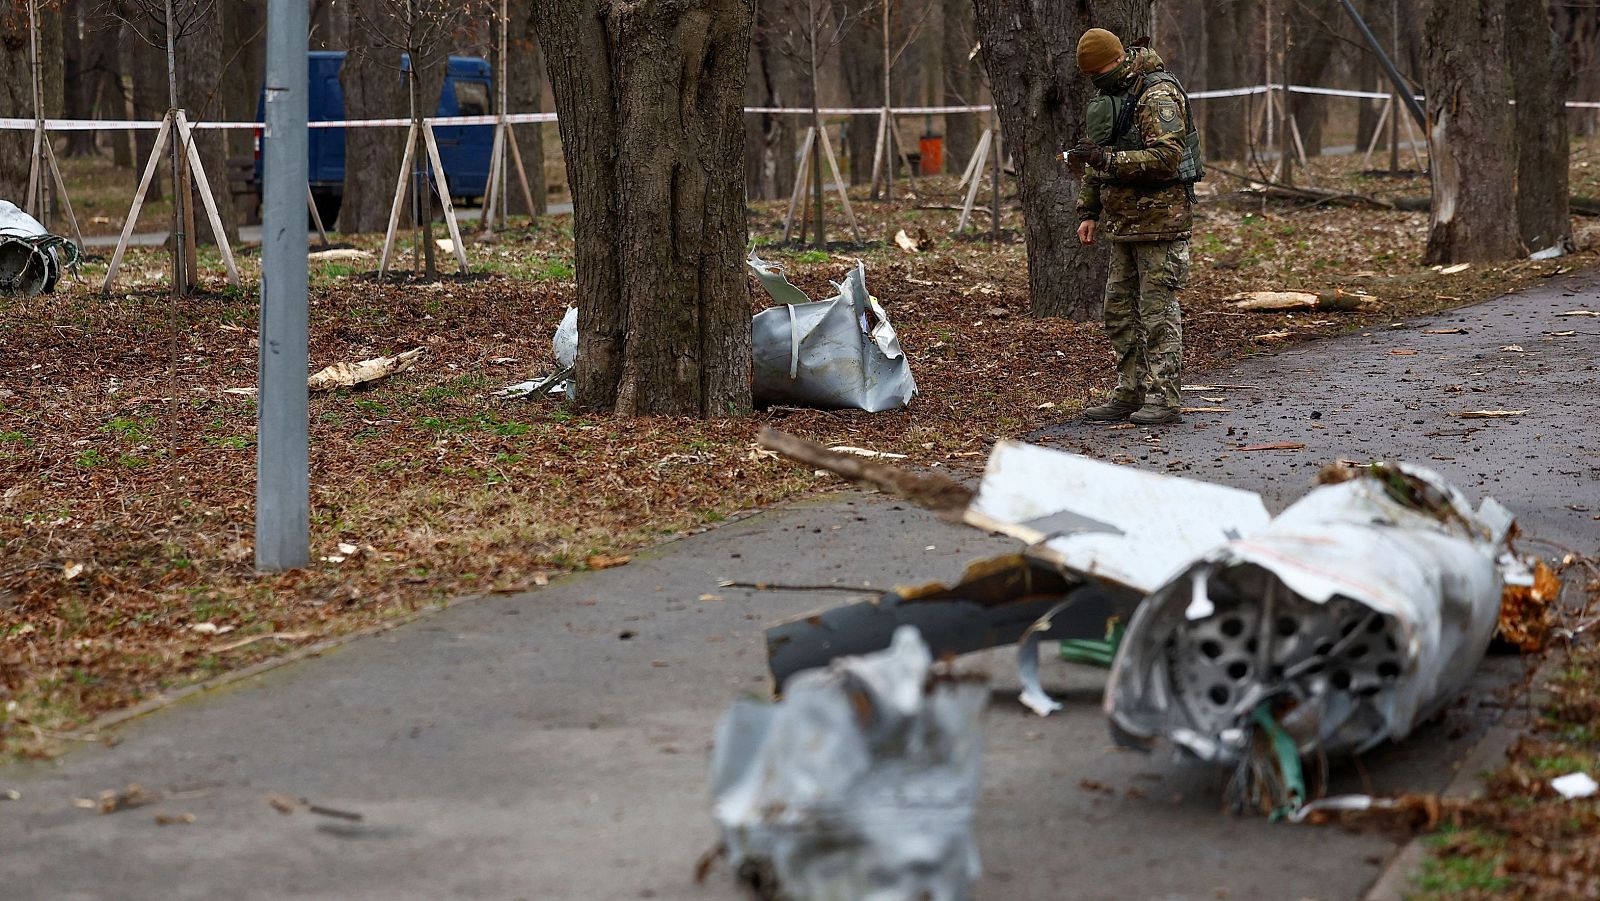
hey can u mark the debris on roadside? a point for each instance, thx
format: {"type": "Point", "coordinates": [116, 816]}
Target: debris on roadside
{"type": "Point", "coordinates": [1281, 301]}
{"type": "Point", "coordinates": [861, 783]}
{"type": "Point", "coordinates": [351, 375]}
{"type": "Point", "coordinates": [1490, 414]}
{"type": "Point", "coordinates": [112, 800]}
{"type": "Point", "coordinates": [174, 819]}
{"type": "Point", "coordinates": [1254, 641]}
{"type": "Point", "coordinates": [1527, 606]}
{"type": "Point", "coordinates": [31, 259]}
{"type": "Point", "coordinates": [1575, 785]}
{"type": "Point", "coordinates": [839, 352]}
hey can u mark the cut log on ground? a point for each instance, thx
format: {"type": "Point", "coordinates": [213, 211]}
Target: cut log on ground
{"type": "Point", "coordinates": [935, 492]}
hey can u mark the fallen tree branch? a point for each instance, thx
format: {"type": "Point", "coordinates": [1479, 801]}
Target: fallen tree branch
{"type": "Point", "coordinates": [937, 493]}
{"type": "Point", "coordinates": [1292, 192]}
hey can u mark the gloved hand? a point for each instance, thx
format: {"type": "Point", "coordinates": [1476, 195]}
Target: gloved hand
{"type": "Point", "coordinates": [1087, 154]}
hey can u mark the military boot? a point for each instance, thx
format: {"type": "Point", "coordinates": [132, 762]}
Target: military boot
{"type": "Point", "coordinates": [1155, 413]}
{"type": "Point", "coordinates": [1112, 410]}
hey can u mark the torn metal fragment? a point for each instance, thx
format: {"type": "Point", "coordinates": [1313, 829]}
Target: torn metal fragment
{"type": "Point", "coordinates": [860, 783]}
{"type": "Point", "coordinates": [31, 259]}
{"type": "Point", "coordinates": [996, 602]}
{"type": "Point", "coordinates": [1354, 615]}
{"type": "Point", "coordinates": [839, 352]}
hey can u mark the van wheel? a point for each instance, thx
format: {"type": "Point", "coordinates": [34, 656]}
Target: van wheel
{"type": "Point", "coordinates": [328, 204]}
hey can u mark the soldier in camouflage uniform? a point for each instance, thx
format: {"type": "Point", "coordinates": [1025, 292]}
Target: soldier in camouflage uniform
{"type": "Point", "coordinates": [1138, 166]}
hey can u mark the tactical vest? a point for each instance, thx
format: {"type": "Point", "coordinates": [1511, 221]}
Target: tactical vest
{"type": "Point", "coordinates": [1110, 123]}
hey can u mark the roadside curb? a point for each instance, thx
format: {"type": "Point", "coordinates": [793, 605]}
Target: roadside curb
{"type": "Point", "coordinates": [91, 731]}
{"type": "Point", "coordinates": [1396, 881]}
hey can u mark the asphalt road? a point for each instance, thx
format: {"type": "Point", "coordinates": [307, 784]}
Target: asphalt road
{"type": "Point", "coordinates": [554, 745]}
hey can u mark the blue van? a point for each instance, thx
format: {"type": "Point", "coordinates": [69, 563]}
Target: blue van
{"type": "Point", "coordinates": [463, 149]}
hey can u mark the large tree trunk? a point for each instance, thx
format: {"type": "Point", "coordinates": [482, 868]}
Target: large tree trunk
{"type": "Point", "coordinates": [201, 83]}
{"type": "Point", "coordinates": [1312, 42]}
{"type": "Point", "coordinates": [861, 63]}
{"type": "Point", "coordinates": [1030, 54]}
{"type": "Point", "coordinates": [81, 74]}
{"type": "Point", "coordinates": [149, 68]}
{"type": "Point", "coordinates": [650, 96]}
{"type": "Point", "coordinates": [1229, 37]}
{"type": "Point", "coordinates": [16, 97]}
{"type": "Point", "coordinates": [961, 82]}
{"type": "Point", "coordinates": [1470, 137]}
{"type": "Point", "coordinates": [16, 89]}
{"type": "Point", "coordinates": [373, 89]}
{"type": "Point", "coordinates": [330, 24]}
{"type": "Point", "coordinates": [1539, 79]}
{"type": "Point", "coordinates": [245, 59]}
{"type": "Point", "coordinates": [525, 94]}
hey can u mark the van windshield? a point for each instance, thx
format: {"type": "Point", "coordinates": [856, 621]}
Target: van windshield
{"type": "Point", "coordinates": [472, 98]}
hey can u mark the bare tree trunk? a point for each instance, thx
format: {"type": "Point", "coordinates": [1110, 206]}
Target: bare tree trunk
{"type": "Point", "coordinates": [1030, 54]}
{"type": "Point", "coordinates": [650, 100]}
{"type": "Point", "coordinates": [244, 54]}
{"type": "Point", "coordinates": [16, 90]}
{"type": "Point", "coordinates": [149, 68]}
{"type": "Point", "coordinates": [1473, 213]}
{"type": "Point", "coordinates": [16, 97]}
{"type": "Point", "coordinates": [962, 85]}
{"type": "Point", "coordinates": [526, 95]}
{"type": "Point", "coordinates": [1229, 38]}
{"type": "Point", "coordinates": [330, 24]}
{"type": "Point", "coordinates": [81, 78]}
{"type": "Point", "coordinates": [1310, 63]}
{"type": "Point", "coordinates": [1539, 83]}
{"type": "Point", "coordinates": [373, 89]}
{"type": "Point", "coordinates": [861, 65]}
{"type": "Point", "coordinates": [201, 83]}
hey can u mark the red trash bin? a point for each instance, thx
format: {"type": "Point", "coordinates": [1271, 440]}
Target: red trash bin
{"type": "Point", "coordinates": [932, 147]}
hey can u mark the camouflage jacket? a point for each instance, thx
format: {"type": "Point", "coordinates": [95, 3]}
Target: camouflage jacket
{"type": "Point", "coordinates": [1136, 197]}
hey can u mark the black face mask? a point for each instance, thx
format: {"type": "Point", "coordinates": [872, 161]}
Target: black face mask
{"type": "Point", "coordinates": [1112, 81]}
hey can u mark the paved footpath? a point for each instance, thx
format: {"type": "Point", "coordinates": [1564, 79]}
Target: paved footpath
{"type": "Point", "coordinates": [554, 745]}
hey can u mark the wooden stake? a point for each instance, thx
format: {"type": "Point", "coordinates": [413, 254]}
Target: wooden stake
{"type": "Point", "coordinates": [978, 159]}
{"type": "Point", "coordinates": [522, 171]}
{"type": "Point", "coordinates": [61, 188]}
{"type": "Point", "coordinates": [877, 152]}
{"type": "Point", "coordinates": [399, 200]}
{"type": "Point", "coordinates": [208, 199]}
{"type": "Point", "coordinates": [838, 181]}
{"type": "Point", "coordinates": [444, 197]}
{"type": "Point", "coordinates": [800, 174]}
{"type": "Point", "coordinates": [1377, 132]}
{"type": "Point", "coordinates": [972, 161]}
{"type": "Point", "coordinates": [316, 216]}
{"type": "Point", "coordinates": [138, 201]}
{"type": "Point", "coordinates": [491, 193]}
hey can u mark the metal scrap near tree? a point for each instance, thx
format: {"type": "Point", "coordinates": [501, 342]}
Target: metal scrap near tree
{"type": "Point", "coordinates": [839, 352]}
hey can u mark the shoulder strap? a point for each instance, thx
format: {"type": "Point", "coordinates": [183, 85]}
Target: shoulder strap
{"type": "Point", "coordinates": [1130, 106]}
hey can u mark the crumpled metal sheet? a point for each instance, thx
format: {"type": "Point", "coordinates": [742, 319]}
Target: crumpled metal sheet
{"type": "Point", "coordinates": [1351, 617]}
{"type": "Point", "coordinates": [860, 784]}
{"type": "Point", "coordinates": [565, 342]}
{"type": "Point", "coordinates": [27, 266]}
{"type": "Point", "coordinates": [1114, 524]}
{"type": "Point", "coordinates": [839, 352]}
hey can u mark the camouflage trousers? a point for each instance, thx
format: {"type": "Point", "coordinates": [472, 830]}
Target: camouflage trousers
{"type": "Point", "coordinates": [1143, 320]}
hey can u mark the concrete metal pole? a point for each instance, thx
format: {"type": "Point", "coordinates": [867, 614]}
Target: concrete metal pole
{"type": "Point", "coordinates": [283, 539]}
